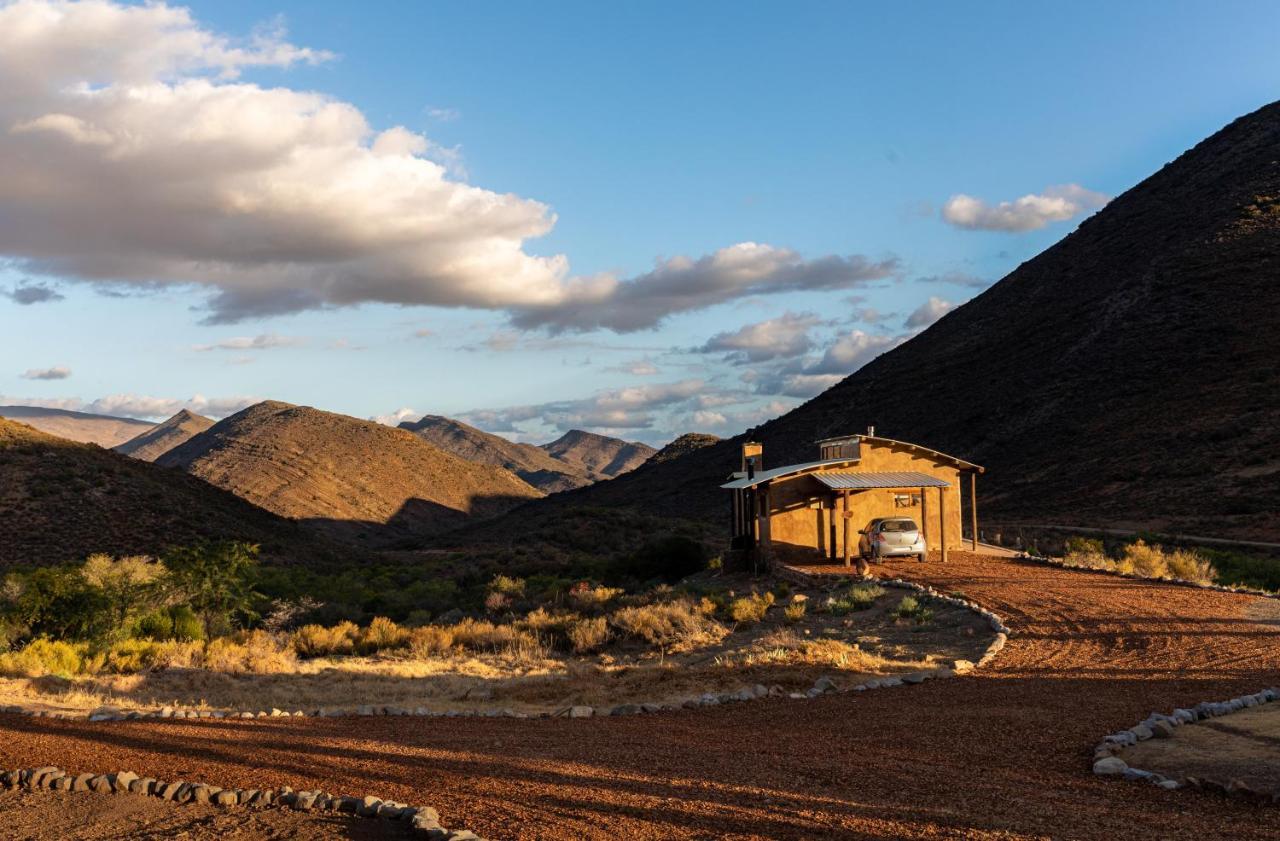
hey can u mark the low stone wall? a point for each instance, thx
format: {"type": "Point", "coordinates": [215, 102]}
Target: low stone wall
{"type": "Point", "coordinates": [1161, 726]}
{"type": "Point", "coordinates": [423, 820]}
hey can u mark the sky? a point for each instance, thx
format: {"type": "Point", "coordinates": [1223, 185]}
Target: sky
{"type": "Point", "coordinates": [638, 219]}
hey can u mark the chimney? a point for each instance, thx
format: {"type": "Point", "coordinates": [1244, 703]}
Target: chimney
{"type": "Point", "coordinates": [752, 457]}
{"type": "Point", "coordinates": [871, 432]}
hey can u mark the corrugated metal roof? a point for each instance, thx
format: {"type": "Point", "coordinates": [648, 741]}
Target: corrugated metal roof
{"type": "Point", "coordinates": [892, 479]}
{"type": "Point", "coordinates": [788, 470]}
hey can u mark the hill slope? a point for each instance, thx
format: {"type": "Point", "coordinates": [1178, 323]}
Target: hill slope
{"type": "Point", "coordinates": [103, 430]}
{"type": "Point", "coordinates": [355, 480]}
{"type": "Point", "coordinates": [532, 464]}
{"type": "Point", "coordinates": [598, 456]}
{"type": "Point", "coordinates": [61, 500]}
{"type": "Point", "coordinates": [1125, 376]}
{"type": "Point", "coordinates": [163, 437]}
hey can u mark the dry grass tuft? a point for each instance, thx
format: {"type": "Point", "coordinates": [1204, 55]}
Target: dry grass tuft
{"type": "Point", "coordinates": [669, 626]}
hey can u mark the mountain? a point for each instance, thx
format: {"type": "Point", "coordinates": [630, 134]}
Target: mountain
{"type": "Point", "coordinates": [351, 479]}
{"type": "Point", "coordinates": [163, 437]}
{"type": "Point", "coordinates": [103, 430]}
{"type": "Point", "coordinates": [682, 446]}
{"type": "Point", "coordinates": [598, 456]}
{"type": "Point", "coordinates": [62, 500]}
{"type": "Point", "coordinates": [532, 464]}
{"type": "Point", "coordinates": [1126, 376]}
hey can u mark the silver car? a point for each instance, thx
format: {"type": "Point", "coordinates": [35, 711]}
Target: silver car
{"type": "Point", "coordinates": [891, 537]}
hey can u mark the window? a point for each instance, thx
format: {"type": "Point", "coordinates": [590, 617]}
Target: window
{"type": "Point", "coordinates": [906, 500]}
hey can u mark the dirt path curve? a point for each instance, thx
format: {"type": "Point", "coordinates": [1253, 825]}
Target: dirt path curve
{"type": "Point", "coordinates": [1001, 754]}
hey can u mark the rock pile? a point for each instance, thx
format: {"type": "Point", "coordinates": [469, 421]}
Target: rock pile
{"type": "Point", "coordinates": [424, 820]}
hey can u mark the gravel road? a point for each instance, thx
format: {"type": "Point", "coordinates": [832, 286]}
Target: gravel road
{"type": "Point", "coordinates": [1004, 753]}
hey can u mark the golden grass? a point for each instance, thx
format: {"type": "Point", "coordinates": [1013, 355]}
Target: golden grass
{"type": "Point", "coordinates": [1143, 559]}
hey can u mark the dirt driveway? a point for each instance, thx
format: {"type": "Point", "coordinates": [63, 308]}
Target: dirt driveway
{"type": "Point", "coordinates": [1001, 754]}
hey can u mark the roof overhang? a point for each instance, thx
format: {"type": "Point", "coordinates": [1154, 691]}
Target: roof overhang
{"type": "Point", "coordinates": [786, 472]}
{"type": "Point", "coordinates": [887, 479]}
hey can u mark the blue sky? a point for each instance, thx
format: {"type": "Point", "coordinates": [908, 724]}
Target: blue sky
{"type": "Point", "coordinates": [574, 145]}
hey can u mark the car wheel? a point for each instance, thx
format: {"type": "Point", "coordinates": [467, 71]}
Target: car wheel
{"type": "Point", "coordinates": [920, 557]}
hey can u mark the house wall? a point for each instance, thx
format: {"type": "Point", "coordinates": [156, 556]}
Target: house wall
{"type": "Point", "coordinates": [801, 513]}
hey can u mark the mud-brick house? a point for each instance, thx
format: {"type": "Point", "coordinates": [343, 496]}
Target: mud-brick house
{"type": "Point", "coordinates": [818, 508]}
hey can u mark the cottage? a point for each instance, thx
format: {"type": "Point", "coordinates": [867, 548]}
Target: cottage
{"type": "Point", "coordinates": [821, 507]}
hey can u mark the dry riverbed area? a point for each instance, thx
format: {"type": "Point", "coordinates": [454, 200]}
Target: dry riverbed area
{"type": "Point", "coordinates": [663, 650]}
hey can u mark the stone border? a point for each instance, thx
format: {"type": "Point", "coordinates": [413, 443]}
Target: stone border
{"type": "Point", "coordinates": [1179, 582]}
{"type": "Point", "coordinates": [821, 685]}
{"type": "Point", "coordinates": [424, 821]}
{"type": "Point", "coordinates": [1161, 726]}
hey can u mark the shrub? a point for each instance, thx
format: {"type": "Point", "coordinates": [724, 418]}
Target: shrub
{"type": "Point", "coordinates": [157, 625]}
{"type": "Point", "coordinates": [1142, 559]}
{"type": "Point", "coordinates": [1190, 566]}
{"type": "Point", "coordinates": [858, 597]}
{"type": "Point", "coordinates": [911, 608]}
{"type": "Point", "coordinates": [430, 640]}
{"type": "Point", "coordinates": [668, 626]}
{"type": "Point", "coordinates": [794, 612]}
{"type": "Point", "coordinates": [44, 657]}
{"type": "Point", "coordinates": [186, 625]}
{"type": "Point", "coordinates": [381, 635]}
{"type": "Point", "coordinates": [132, 656]}
{"type": "Point", "coordinates": [587, 635]}
{"type": "Point", "coordinates": [319, 641]}
{"type": "Point", "coordinates": [252, 652]}
{"type": "Point", "coordinates": [589, 599]}
{"type": "Point", "coordinates": [170, 623]}
{"type": "Point", "coordinates": [750, 608]}
{"type": "Point", "coordinates": [512, 587]}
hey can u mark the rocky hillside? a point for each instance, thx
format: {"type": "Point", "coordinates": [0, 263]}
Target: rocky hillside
{"type": "Point", "coordinates": [351, 479]}
{"type": "Point", "coordinates": [531, 463]}
{"type": "Point", "coordinates": [103, 430]}
{"type": "Point", "coordinates": [598, 456]}
{"type": "Point", "coordinates": [61, 500]}
{"type": "Point", "coordinates": [682, 446]}
{"type": "Point", "coordinates": [1126, 376]}
{"type": "Point", "coordinates": [163, 437]}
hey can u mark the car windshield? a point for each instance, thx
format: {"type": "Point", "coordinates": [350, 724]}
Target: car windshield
{"type": "Point", "coordinates": [897, 525]}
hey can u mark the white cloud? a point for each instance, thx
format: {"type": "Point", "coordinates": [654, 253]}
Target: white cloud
{"type": "Point", "coordinates": [139, 406]}
{"type": "Point", "coordinates": [132, 154]}
{"type": "Point", "coordinates": [683, 284]}
{"type": "Point", "coordinates": [636, 368]}
{"type": "Point", "coordinates": [617, 410]}
{"type": "Point", "coordinates": [262, 342]}
{"type": "Point", "coordinates": [785, 336]}
{"type": "Point", "coordinates": [929, 312]}
{"type": "Point", "coordinates": [809, 377]}
{"type": "Point", "coordinates": [1029, 213]}
{"type": "Point", "coordinates": [59, 372]}
{"type": "Point", "coordinates": [396, 417]}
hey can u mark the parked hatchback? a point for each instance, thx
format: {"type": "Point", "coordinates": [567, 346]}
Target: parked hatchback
{"type": "Point", "coordinates": [891, 537]}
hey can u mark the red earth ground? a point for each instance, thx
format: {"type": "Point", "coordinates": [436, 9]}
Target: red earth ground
{"type": "Point", "coordinates": [1003, 753]}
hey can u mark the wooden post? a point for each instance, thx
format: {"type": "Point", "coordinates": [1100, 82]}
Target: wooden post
{"type": "Point", "coordinates": [942, 520]}
{"type": "Point", "coordinates": [833, 551]}
{"type": "Point", "coordinates": [766, 528]}
{"type": "Point", "coordinates": [973, 505]}
{"type": "Point", "coordinates": [845, 516]}
{"type": "Point", "coordinates": [924, 518]}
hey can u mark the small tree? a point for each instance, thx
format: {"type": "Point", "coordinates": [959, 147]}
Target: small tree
{"type": "Point", "coordinates": [129, 586]}
{"type": "Point", "coordinates": [216, 579]}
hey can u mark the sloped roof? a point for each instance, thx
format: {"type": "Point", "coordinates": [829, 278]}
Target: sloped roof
{"type": "Point", "coordinates": [740, 481]}
{"type": "Point", "coordinates": [888, 479]}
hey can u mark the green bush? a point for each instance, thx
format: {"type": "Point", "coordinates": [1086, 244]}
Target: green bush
{"type": "Point", "coordinates": [858, 597]}
{"type": "Point", "coordinates": [911, 608]}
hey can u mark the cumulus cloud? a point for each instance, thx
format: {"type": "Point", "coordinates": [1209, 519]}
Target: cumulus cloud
{"type": "Point", "coordinates": [132, 153]}
{"type": "Point", "coordinates": [32, 293]}
{"type": "Point", "coordinates": [928, 312]}
{"type": "Point", "coordinates": [786, 336]}
{"type": "Point", "coordinates": [616, 410]}
{"type": "Point", "coordinates": [1029, 213]}
{"type": "Point", "coordinates": [261, 342]}
{"type": "Point", "coordinates": [139, 406]}
{"type": "Point", "coordinates": [397, 417]}
{"type": "Point", "coordinates": [59, 372]}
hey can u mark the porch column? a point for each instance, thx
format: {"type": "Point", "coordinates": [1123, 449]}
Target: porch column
{"type": "Point", "coordinates": [845, 516]}
{"type": "Point", "coordinates": [924, 518]}
{"type": "Point", "coordinates": [973, 505]}
{"type": "Point", "coordinates": [833, 509]}
{"type": "Point", "coordinates": [766, 529]}
{"type": "Point", "coordinates": [942, 520]}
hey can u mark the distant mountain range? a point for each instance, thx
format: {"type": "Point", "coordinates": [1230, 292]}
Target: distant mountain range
{"type": "Point", "coordinates": [163, 437]}
{"type": "Point", "coordinates": [1128, 376]}
{"type": "Point", "coordinates": [103, 430]}
{"type": "Point", "coordinates": [353, 480]}
{"type": "Point", "coordinates": [61, 500]}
